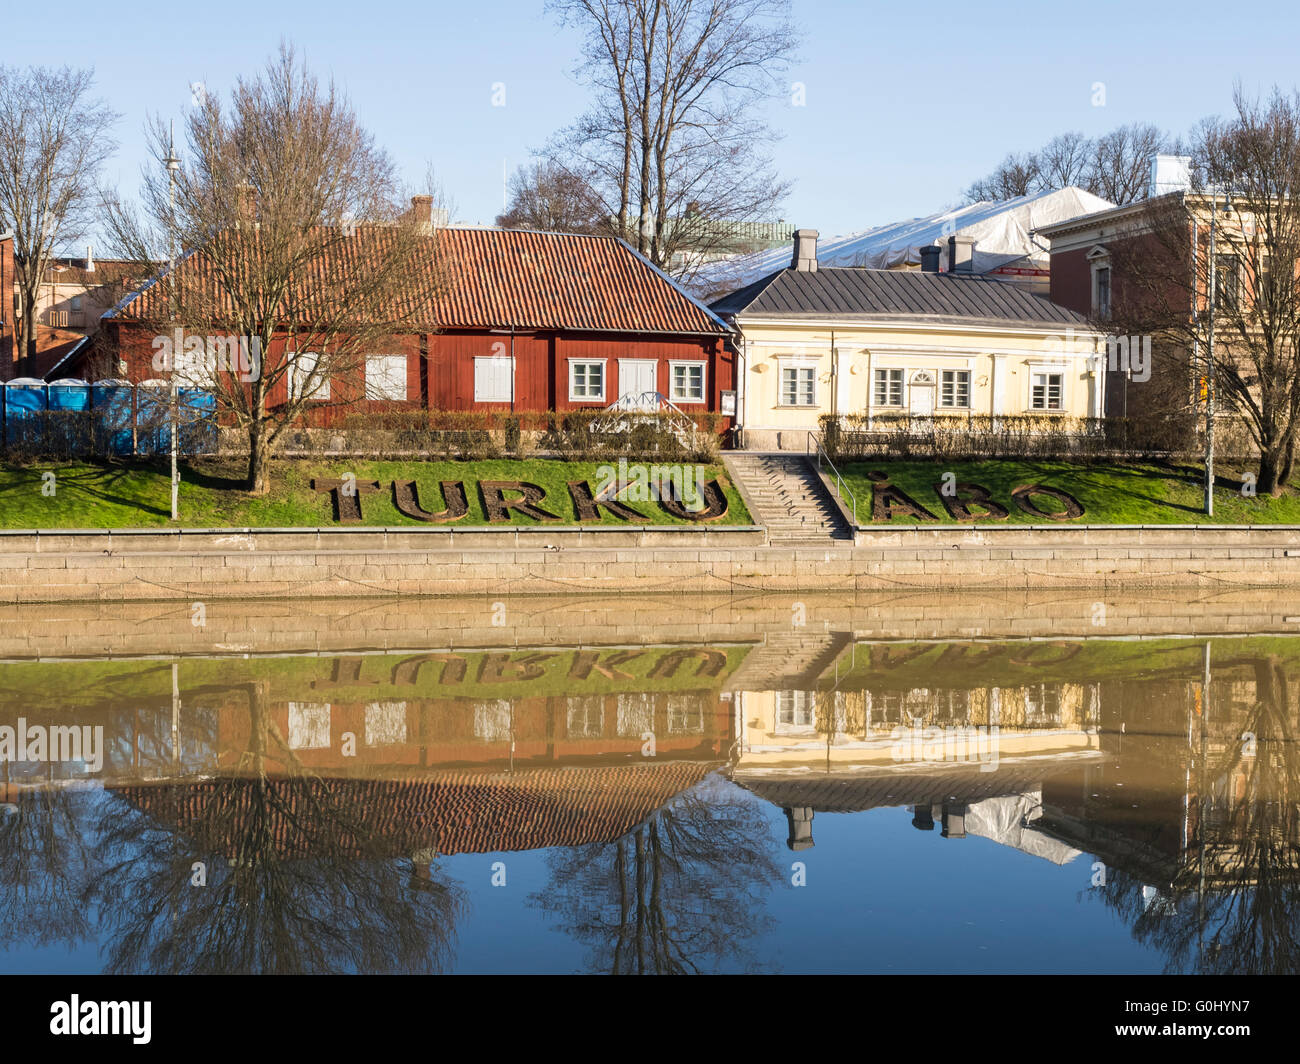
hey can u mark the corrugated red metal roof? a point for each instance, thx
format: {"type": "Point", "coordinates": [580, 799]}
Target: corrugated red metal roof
{"type": "Point", "coordinates": [498, 278]}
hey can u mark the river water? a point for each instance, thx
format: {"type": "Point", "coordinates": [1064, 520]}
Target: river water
{"type": "Point", "coordinates": [833, 784]}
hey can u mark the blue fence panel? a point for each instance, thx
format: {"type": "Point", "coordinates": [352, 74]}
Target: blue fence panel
{"type": "Point", "coordinates": [111, 403]}
{"type": "Point", "coordinates": [153, 431]}
{"type": "Point", "coordinates": [198, 421]}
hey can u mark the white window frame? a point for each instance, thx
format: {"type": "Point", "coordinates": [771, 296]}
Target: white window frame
{"type": "Point", "coordinates": [954, 405]}
{"type": "Point", "coordinates": [377, 383]}
{"type": "Point", "coordinates": [604, 379]}
{"type": "Point", "coordinates": [1098, 260]}
{"type": "Point", "coordinates": [298, 378]}
{"type": "Point", "coordinates": [496, 360]}
{"type": "Point", "coordinates": [1046, 370]}
{"type": "Point", "coordinates": [902, 387]}
{"type": "Point", "coordinates": [699, 364]}
{"type": "Point", "coordinates": [797, 366]}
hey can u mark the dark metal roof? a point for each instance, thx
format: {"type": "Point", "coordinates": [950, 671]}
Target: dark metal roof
{"type": "Point", "coordinates": [852, 292]}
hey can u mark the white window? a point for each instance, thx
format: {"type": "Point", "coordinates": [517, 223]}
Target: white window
{"type": "Point", "coordinates": [309, 725]}
{"type": "Point", "coordinates": [636, 715]}
{"type": "Point", "coordinates": [1047, 391]}
{"type": "Point", "coordinates": [385, 723]}
{"type": "Point", "coordinates": [494, 377]}
{"type": "Point", "coordinates": [889, 387]}
{"type": "Point", "coordinates": [798, 385]}
{"type": "Point", "coordinates": [796, 712]}
{"type": "Point", "coordinates": [386, 377]}
{"type": "Point", "coordinates": [687, 381]}
{"type": "Point", "coordinates": [493, 721]}
{"type": "Point", "coordinates": [308, 376]}
{"type": "Point", "coordinates": [954, 388]}
{"type": "Point", "coordinates": [586, 380]}
{"type": "Point", "coordinates": [76, 302]}
{"type": "Point", "coordinates": [585, 717]}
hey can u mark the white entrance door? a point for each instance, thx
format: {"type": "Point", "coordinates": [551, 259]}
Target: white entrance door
{"type": "Point", "coordinates": [637, 381]}
{"type": "Point", "coordinates": [920, 399]}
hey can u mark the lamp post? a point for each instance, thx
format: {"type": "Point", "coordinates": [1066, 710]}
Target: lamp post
{"type": "Point", "coordinates": [1209, 369]}
{"type": "Point", "coordinates": [1213, 299]}
{"type": "Point", "coordinates": [173, 165]}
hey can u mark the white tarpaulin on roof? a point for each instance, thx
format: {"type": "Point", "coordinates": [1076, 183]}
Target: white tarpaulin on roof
{"type": "Point", "coordinates": [1010, 822]}
{"type": "Point", "coordinates": [1001, 231]}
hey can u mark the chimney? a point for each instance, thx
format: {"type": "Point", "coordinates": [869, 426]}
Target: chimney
{"type": "Point", "coordinates": [1169, 173]}
{"type": "Point", "coordinates": [961, 254]}
{"type": "Point", "coordinates": [930, 258]}
{"type": "Point", "coordinates": [90, 258]}
{"type": "Point", "coordinates": [246, 204]}
{"type": "Point", "coordinates": [422, 213]}
{"type": "Point", "coordinates": [805, 251]}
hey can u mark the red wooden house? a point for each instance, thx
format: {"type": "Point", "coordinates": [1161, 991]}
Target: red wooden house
{"type": "Point", "coordinates": [527, 322]}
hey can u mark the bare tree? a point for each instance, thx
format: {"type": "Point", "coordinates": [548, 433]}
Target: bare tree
{"type": "Point", "coordinates": [54, 137]}
{"type": "Point", "coordinates": [1247, 181]}
{"type": "Point", "coordinates": [1016, 175]}
{"type": "Point", "coordinates": [291, 238]}
{"type": "Point", "coordinates": [1121, 165]}
{"type": "Point", "coordinates": [672, 142]}
{"type": "Point", "coordinates": [1115, 166]}
{"type": "Point", "coordinates": [1064, 161]}
{"type": "Point", "coordinates": [550, 198]}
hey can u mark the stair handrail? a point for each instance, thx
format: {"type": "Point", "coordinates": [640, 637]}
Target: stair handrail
{"type": "Point", "coordinates": [840, 485]}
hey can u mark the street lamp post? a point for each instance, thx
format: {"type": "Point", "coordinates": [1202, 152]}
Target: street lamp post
{"type": "Point", "coordinates": [1209, 369]}
{"type": "Point", "coordinates": [173, 165]}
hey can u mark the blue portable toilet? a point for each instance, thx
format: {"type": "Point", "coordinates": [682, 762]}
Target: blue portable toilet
{"type": "Point", "coordinates": [197, 411]}
{"type": "Point", "coordinates": [69, 419]}
{"type": "Point", "coordinates": [153, 430]}
{"type": "Point", "coordinates": [25, 401]}
{"type": "Point", "coordinates": [110, 401]}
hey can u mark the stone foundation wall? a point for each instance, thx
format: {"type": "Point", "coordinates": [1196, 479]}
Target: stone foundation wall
{"type": "Point", "coordinates": [194, 566]}
{"type": "Point", "coordinates": [166, 629]}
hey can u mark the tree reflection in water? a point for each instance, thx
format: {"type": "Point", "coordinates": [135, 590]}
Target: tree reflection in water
{"type": "Point", "coordinates": [45, 868]}
{"type": "Point", "coordinates": [297, 882]}
{"type": "Point", "coordinates": [681, 893]}
{"type": "Point", "coordinates": [1233, 903]}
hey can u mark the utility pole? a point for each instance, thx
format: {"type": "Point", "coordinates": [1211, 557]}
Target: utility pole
{"type": "Point", "coordinates": [173, 165]}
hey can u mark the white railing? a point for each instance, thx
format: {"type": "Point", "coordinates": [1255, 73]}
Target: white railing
{"type": "Point", "coordinates": [624, 410]}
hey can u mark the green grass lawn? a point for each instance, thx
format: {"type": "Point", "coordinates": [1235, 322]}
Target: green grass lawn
{"type": "Point", "coordinates": [1140, 494]}
{"type": "Point", "coordinates": [138, 495]}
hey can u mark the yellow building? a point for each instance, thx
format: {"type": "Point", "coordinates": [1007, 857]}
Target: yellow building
{"type": "Point", "coordinates": [884, 343]}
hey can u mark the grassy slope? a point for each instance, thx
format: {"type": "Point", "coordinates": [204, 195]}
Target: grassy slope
{"type": "Point", "coordinates": [137, 496]}
{"type": "Point", "coordinates": [1110, 494]}
{"type": "Point", "coordinates": [45, 686]}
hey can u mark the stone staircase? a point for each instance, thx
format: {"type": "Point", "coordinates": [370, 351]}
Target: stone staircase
{"type": "Point", "coordinates": [789, 499]}
{"type": "Point", "coordinates": [789, 661]}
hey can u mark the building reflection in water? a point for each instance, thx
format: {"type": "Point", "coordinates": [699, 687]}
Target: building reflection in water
{"type": "Point", "coordinates": [300, 814]}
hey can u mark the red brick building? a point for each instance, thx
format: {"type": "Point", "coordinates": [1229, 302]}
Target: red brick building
{"type": "Point", "coordinates": [526, 322]}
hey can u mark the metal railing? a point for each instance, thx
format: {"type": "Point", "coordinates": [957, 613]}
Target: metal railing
{"type": "Point", "coordinates": [840, 485]}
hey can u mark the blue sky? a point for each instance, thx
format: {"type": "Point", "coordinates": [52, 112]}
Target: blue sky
{"type": "Point", "coordinates": [906, 102]}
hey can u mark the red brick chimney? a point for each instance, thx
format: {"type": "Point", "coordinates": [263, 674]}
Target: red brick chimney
{"type": "Point", "coordinates": [246, 205]}
{"type": "Point", "coordinates": [422, 209]}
